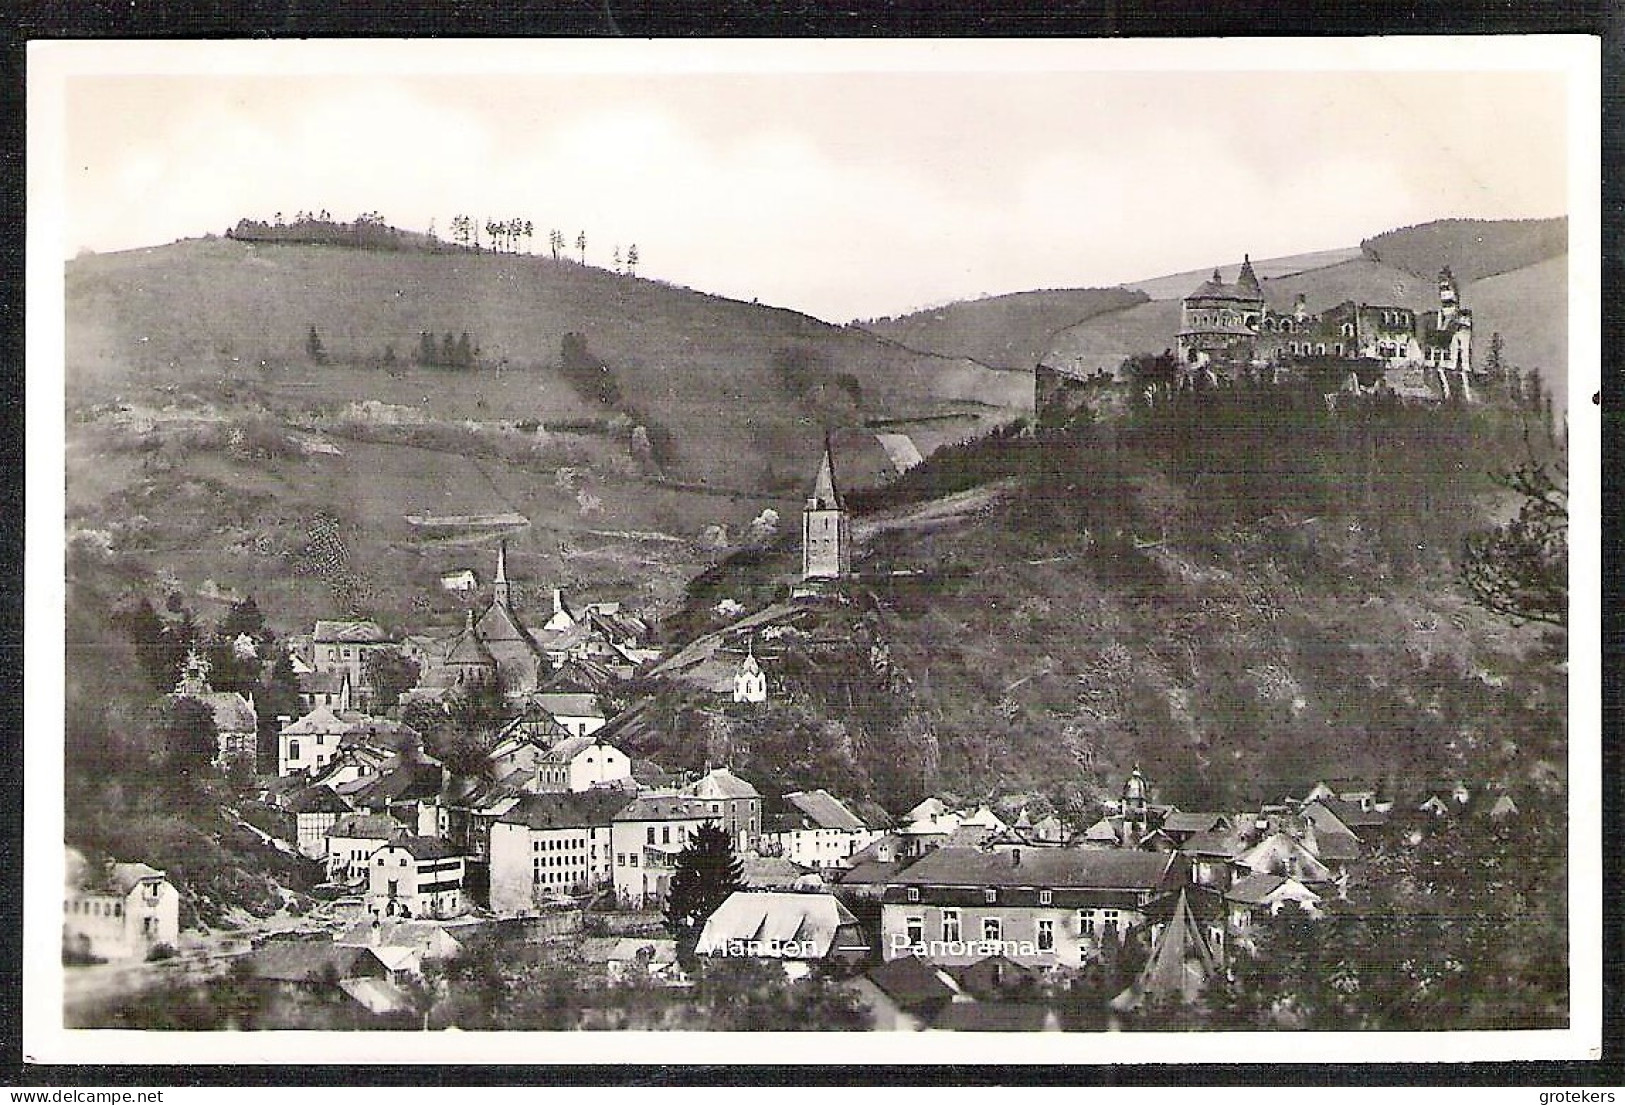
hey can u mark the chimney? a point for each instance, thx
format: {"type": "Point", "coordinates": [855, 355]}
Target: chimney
{"type": "Point", "coordinates": [375, 935]}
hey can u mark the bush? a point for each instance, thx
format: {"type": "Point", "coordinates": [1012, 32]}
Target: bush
{"type": "Point", "coordinates": [160, 952]}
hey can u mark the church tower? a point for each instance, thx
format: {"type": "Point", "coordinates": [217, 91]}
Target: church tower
{"type": "Point", "coordinates": [1136, 811]}
{"type": "Point", "coordinates": [499, 586]}
{"type": "Point", "coordinates": [826, 543]}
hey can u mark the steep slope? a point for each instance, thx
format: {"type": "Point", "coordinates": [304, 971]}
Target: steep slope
{"type": "Point", "coordinates": [1005, 331]}
{"type": "Point", "coordinates": [1473, 248]}
{"type": "Point", "coordinates": [1236, 629]}
{"type": "Point", "coordinates": [1529, 308]}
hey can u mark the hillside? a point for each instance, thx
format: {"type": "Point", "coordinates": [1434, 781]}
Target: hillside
{"type": "Point", "coordinates": [1526, 302]}
{"type": "Point", "coordinates": [206, 436]}
{"type": "Point", "coordinates": [1234, 628]}
{"type": "Point", "coordinates": [1473, 248]}
{"type": "Point", "coordinates": [1006, 331]}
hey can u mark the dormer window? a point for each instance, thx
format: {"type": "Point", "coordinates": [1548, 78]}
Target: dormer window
{"type": "Point", "coordinates": [990, 895]}
{"type": "Point", "coordinates": [1046, 897]}
{"type": "Point", "coordinates": [913, 893]}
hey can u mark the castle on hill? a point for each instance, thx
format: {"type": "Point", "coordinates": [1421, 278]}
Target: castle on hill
{"type": "Point", "coordinates": [1229, 329]}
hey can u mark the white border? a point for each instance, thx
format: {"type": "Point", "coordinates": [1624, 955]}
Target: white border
{"type": "Point", "coordinates": [51, 64]}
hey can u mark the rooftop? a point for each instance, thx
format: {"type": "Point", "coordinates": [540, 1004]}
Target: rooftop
{"type": "Point", "coordinates": [567, 811]}
{"type": "Point", "coordinates": [1085, 868]}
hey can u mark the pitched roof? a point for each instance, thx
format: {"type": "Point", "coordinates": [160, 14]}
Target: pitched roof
{"type": "Point", "coordinates": [781, 925]}
{"type": "Point", "coordinates": [770, 873]}
{"type": "Point", "coordinates": [567, 811]}
{"type": "Point", "coordinates": [571, 747]}
{"type": "Point", "coordinates": [582, 674]}
{"type": "Point", "coordinates": [665, 807]}
{"type": "Point", "coordinates": [350, 632]}
{"type": "Point", "coordinates": [991, 976]}
{"type": "Point", "coordinates": [911, 982]}
{"type": "Point", "coordinates": [124, 876]}
{"type": "Point", "coordinates": [318, 800]}
{"type": "Point", "coordinates": [1091, 868]}
{"type": "Point", "coordinates": [818, 809]}
{"type": "Point", "coordinates": [1336, 847]}
{"type": "Point", "coordinates": [367, 826]}
{"type": "Point", "coordinates": [721, 783]}
{"type": "Point", "coordinates": [870, 872]}
{"type": "Point", "coordinates": [1223, 844]}
{"type": "Point", "coordinates": [564, 704]}
{"type": "Point", "coordinates": [1350, 813]}
{"type": "Point", "coordinates": [232, 712]}
{"type": "Point", "coordinates": [1255, 889]}
{"type": "Point", "coordinates": [469, 649]}
{"type": "Point", "coordinates": [321, 682]}
{"type": "Point", "coordinates": [1179, 967]}
{"type": "Point", "coordinates": [1179, 822]}
{"type": "Point", "coordinates": [425, 847]}
{"type": "Point", "coordinates": [407, 783]}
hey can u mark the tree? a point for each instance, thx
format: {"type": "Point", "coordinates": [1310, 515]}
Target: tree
{"type": "Point", "coordinates": [314, 348]}
{"type": "Point", "coordinates": [244, 618]}
{"type": "Point", "coordinates": [706, 872]}
{"type": "Point", "coordinates": [388, 672]}
{"type": "Point", "coordinates": [448, 351]}
{"type": "Point", "coordinates": [581, 244]}
{"type": "Point", "coordinates": [188, 743]}
{"type": "Point", "coordinates": [632, 259]}
{"type": "Point", "coordinates": [427, 354]}
{"type": "Point", "coordinates": [1520, 568]}
{"type": "Point", "coordinates": [464, 352]}
{"type": "Point", "coordinates": [555, 242]}
{"type": "Point", "coordinates": [145, 629]}
{"type": "Point", "coordinates": [617, 261]}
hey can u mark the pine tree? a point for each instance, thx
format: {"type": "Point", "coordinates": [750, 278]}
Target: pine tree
{"type": "Point", "coordinates": [465, 352]}
{"type": "Point", "coordinates": [581, 244]}
{"type": "Point", "coordinates": [632, 259]}
{"type": "Point", "coordinates": [427, 354]}
{"type": "Point", "coordinates": [707, 872]}
{"type": "Point", "coordinates": [314, 348]}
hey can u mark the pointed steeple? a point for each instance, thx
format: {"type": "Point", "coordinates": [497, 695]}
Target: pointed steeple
{"type": "Point", "coordinates": [825, 495]}
{"type": "Point", "coordinates": [1179, 968]}
{"type": "Point", "coordinates": [1247, 280]}
{"type": "Point", "coordinates": [499, 586]}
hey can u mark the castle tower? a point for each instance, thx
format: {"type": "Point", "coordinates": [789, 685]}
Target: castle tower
{"type": "Point", "coordinates": [500, 593]}
{"type": "Point", "coordinates": [1247, 279]}
{"type": "Point", "coordinates": [826, 543]}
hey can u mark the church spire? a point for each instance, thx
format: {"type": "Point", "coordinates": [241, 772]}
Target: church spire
{"type": "Point", "coordinates": [499, 586]}
{"type": "Point", "coordinates": [1247, 279]}
{"type": "Point", "coordinates": [825, 495]}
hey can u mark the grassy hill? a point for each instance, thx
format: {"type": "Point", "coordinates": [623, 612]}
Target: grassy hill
{"type": "Point", "coordinates": [1006, 331]}
{"type": "Point", "coordinates": [205, 435]}
{"type": "Point", "coordinates": [1473, 248]}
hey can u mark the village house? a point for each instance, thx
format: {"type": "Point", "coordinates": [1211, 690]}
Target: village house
{"type": "Point", "coordinates": [813, 829]}
{"type": "Point", "coordinates": [1040, 907]}
{"type": "Point", "coordinates": [1282, 854]}
{"type": "Point", "coordinates": [552, 846]}
{"type": "Point", "coordinates": [581, 763]}
{"type": "Point", "coordinates": [356, 761]}
{"type": "Point", "coordinates": [905, 994]}
{"type": "Point", "coordinates": [1256, 895]}
{"type": "Point", "coordinates": [647, 835]}
{"type": "Point", "coordinates": [579, 714]}
{"type": "Point", "coordinates": [314, 740]}
{"type": "Point", "coordinates": [324, 688]}
{"type": "Point", "coordinates": [123, 915]}
{"type": "Point", "coordinates": [416, 876]}
{"type": "Point", "coordinates": [315, 810]}
{"type": "Point", "coordinates": [344, 646]}
{"type": "Point", "coordinates": [352, 841]}
{"type": "Point", "coordinates": [1212, 856]}
{"type": "Point", "coordinates": [401, 790]}
{"type": "Point", "coordinates": [732, 803]}
{"type": "Point", "coordinates": [786, 926]}
{"type": "Point", "coordinates": [402, 946]}
{"type": "Point", "coordinates": [236, 722]}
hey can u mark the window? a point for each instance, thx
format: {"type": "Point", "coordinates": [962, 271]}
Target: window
{"type": "Point", "coordinates": [665, 834]}
{"type": "Point", "coordinates": [992, 929]}
{"type": "Point", "coordinates": [632, 860]}
{"type": "Point", "coordinates": [990, 895]}
{"type": "Point", "coordinates": [950, 925]}
{"type": "Point", "coordinates": [1046, 935]}
{"type": "Point", "coordinates": [1046, 897]}
{"type": "Point", "coordinates": [620, 859]}
{"type": "Point", "coordinates": [651, 834]}
{"type": "Point", "coordinates": [913, 894]}
{"type": "Point", "coordinates": [915, 927]}
{"type": "Point", "coordinates": [293, 750]}
{"type": "Point", "coordinates": [1086, 922]}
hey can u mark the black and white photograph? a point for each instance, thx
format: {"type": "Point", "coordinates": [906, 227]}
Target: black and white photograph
{"type": "Point", "coordinates": [1060, 543]}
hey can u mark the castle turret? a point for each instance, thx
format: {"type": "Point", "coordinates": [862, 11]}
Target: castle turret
{"type": "Point", "coordinates": [1247, 279]}
{"type": "Point", "coordinates": [826, 551]}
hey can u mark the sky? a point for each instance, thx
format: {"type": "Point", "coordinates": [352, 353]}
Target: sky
{"type": "Point", "coordinates": [871, 191]}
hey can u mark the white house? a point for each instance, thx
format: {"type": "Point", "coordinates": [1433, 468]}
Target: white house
{"type": "Point", "coordinates": [782, 925]}
{"type": "Point", "coordinates": [581, 763]}
{"type": "Point", "coordinates": [813, 829]}
{"type": "Point", "coordinates": [124, 916]}
{"type": "Point", "coordinates": [352, 841]}
{"type": "Point", "coordinates": [552, 845]}
{"type": "Point", "coordinates": [315, 810]}
{"type": "Point", "coordinates": [416, 876]}
{"type": "Point", "coordinates": [646, 837]}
